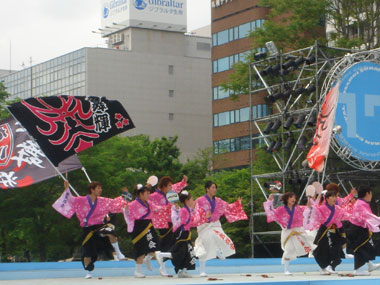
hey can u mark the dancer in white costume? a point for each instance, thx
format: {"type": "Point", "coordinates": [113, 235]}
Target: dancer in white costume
{"type": "Point", "coordinates": [212, 242]}
{"type": "Point", "coordinates": [294, 240]}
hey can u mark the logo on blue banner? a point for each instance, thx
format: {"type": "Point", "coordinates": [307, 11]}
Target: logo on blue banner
{"type": "Point", "coordinates": [358, 111]}
{"type": "Point", "coordinates": [114, 7]}
{"type": "Point", "coordinates": [139, 4]}
{"type": "Point", "coordinates": [106, 12]}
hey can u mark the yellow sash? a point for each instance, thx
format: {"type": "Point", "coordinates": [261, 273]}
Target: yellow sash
{"type": "Point", "coordinates": [325, 232]}
{"type": "Point", "coordinates": [186, 239]}
{"type": "Point", "coordinates": [90, 234]}
{"type": "Point", "coordinates": [290, 235]}
{"type": "Point", "coordinates": [369, 237]}
{"type": "Point", "coordinates": [164, 235]}
{"type": "Point", "coordinates": [143, 233]}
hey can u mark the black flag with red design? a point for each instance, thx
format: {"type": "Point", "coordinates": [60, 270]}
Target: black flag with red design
{"type": "Point", "coordinates": [65, 125]}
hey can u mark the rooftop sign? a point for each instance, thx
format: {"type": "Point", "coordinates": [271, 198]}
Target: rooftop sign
{"type": "Point", "coordinates": [154, 14]}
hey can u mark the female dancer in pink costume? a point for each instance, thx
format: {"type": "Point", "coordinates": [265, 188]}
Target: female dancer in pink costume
{"type": "Point", "coordinates": [164, 224]}
{"type": "Point", "coordinates": [139, 221]}
{"type": "Point", "coordinates": [212, 242]}
{"type": "Point", "coordinates": [91, 211]}
{"type": "Point", "coordinates": [327, 218]}
{"type": "Point", "coordinates": [182, 252]}
{"type": "Point", "coordinates": [359, 234]}
{"type": "Point", "coordinates": [294, 240]}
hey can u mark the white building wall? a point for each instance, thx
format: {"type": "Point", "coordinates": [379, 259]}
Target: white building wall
{"type": "Point", "coordinates": [140, 80]}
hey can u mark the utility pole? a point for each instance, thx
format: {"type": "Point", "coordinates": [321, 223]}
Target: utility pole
{"type": "Point", "coordinates": [31, 76]}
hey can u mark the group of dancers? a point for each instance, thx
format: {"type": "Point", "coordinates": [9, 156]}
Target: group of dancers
{"type": "Point", "coordinates": [158, 228]}
{"type": "Point", "coordinates": [329, 228]}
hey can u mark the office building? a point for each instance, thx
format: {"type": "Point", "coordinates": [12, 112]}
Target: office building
{"type": "Point", "coordinates": [231, 23]}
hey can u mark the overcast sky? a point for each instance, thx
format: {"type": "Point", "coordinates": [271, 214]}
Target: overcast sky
{"type": "Point", "coordinates": [44, 29]}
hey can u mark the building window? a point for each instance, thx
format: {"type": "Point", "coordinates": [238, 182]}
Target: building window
{"type": "Point", "coordinates": [235, 33]}
{"type": "Point", "coordinates": [203, 46]}
{"type": "Point", "coordinates": [171, 93]}
{"type": "Point", "coordinates": [224, 119]}
{"type": "Point", "coordinates": [171, 69]}
{"type": "Point", "coordinates": [220, 93]}
{"type": "Point", "coordinates": [244, 30]}
{"type": "Point", "coordinates": [234, 144]}
{"type": "Point", "coordinates": [231, 117]}
{"type": "Point", "coordinates": [171, 116]}
{"type": "Point", "coordinates": [65, 74]}
{"type": "Point", "coordinates": [257, 141]}
{"type": "Point", "coordinates": [244, 143]}
{"type": "Point", "coordinates": [261, 110]}
{"type": "Point", "coordinates": [222, 37]}
{"type": "Point", "coordinates": [216, 147]}
{"type": "Point", "coordinates": [226, 63]}
{"type": "Point", "coordinates": [214, 40]}
{"type": "Point", "coordinates": [244, 114]}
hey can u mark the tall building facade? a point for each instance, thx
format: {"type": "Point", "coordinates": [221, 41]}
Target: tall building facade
{"type": "Point", "coordinates": [231, 23]}
{"type": "Point", "coordinates": [161, 76]}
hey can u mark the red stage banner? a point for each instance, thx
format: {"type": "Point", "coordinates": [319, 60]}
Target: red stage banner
{"type": "Point", "coordinates": [321, 141]}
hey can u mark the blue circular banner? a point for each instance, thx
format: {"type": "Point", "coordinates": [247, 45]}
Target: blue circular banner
{"type": "Point", "coordinates": [358, 111]}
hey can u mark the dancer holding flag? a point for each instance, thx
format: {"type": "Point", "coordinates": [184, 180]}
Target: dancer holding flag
{"type": "Point", "coordinates": [212, 241]}
{"type": "Point", "coordinates": [294, 240]}
{"type": "Point", "coordinates": [164, 225]}
{"type": "Point", "coordinates": [359, 235]}
{"type": "Point", "coordinates": [91, 211]}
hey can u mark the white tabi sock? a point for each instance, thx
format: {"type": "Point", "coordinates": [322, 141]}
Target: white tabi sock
{"type": "Point", "coordinates": [147, 261]}
{"type": "Point", "coordinates": [117, 250]}
{"type": "Point", "coordinates": [202, 267]}
{"type": "Point", "coordinates": [165, 254]}
{"type": "Point", "coordinates": [286, 267]}
{"type": "Point", "coordinates": [139, 268]}
{"type": "Point", "coordinates": [88, 275]}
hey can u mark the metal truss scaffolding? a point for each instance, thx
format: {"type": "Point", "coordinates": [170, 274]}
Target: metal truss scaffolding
{"type": "Point", "coordinates": [292, 82]}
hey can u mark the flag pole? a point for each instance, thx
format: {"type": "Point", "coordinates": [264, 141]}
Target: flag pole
{"type": "Point", "coordinates": [55, 168]}
{"type": "Point", "coordinates": [85, 172]}
{"type": "Point", "coordinates": [63, 177]}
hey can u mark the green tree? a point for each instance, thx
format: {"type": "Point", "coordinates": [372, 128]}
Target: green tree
{"type": "Point", "coordinates": [163, 158]}
{"type": "Point", "coordinates": [3, 97]}
{"type": "Point", "coordinates": [199, 167]}
{"type": "Point", "coordinates": [291, 24]}
{"type": "Point", "coordinates": [355, 22]}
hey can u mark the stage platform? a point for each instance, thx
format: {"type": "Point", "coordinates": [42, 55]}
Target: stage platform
{"type": "Point", "coordinates": [230, 271]}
